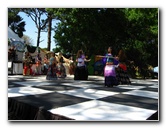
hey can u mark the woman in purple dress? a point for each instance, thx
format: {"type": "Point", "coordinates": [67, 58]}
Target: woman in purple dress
{"type": "Point", "coordinates": [109, 70]}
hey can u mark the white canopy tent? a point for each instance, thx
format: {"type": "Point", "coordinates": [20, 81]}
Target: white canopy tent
{"type": "Point", "coordinates": [15, 40]}
{"type": "Point", "coordinates": [15, 67]}
{"type": "Point", "coordinates": [13, 36]}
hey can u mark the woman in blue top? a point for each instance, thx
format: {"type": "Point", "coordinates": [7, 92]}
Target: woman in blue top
{"type": "Point", "coordinates": [109, 69]}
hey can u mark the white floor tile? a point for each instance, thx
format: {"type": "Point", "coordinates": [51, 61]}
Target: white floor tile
{"type": "Point", "coordinates": [143, 93]}
{"type": "Point", "coordinates": [24, 91]}
{"type": "Point", "coordinates": [100, 110]}
{"type": "Point", "coordinates": [33, 83]}
{"type": "Point", "coordinates": [130, 87]}
{"type": "Point", "coordinates": [81, 85]}
{"type": "Point", "coordinates": [88, 93]}
{"type": "Point", "coordinates": [154, 86]}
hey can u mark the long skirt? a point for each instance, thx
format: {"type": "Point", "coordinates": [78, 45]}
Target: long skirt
{"type": "Point", "coordinates": [122, 76]}
{"type": "Point", "coordinates": [110, 76]}
{"type": "Point", "coordinates": [81, 73]}
{"type": "Point", "coordinates": [51, 73]}
{"type": "Point", "coordinates": [62, 71]}
{"type": "Point", "coordinates": [71, 69]}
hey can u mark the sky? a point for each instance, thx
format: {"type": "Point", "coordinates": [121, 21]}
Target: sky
{"type": "Point", "coordinates": [31, 31]}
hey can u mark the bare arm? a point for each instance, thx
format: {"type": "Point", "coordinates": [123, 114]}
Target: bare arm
{"type": "Point", "coordinates": [101, 56]}
{"type": "Point", "coordinates": [106, 56]}
{"type": "Point", "coordinates": [87, 60]}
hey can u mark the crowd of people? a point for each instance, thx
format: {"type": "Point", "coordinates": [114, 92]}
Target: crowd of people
{"type": "Point", "coordinates": [115, 69]}
{"type": "Point", "coordinates": [51, 65]}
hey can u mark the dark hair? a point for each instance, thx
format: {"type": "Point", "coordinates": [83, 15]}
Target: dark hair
{"type": "Point", "coordinates": [53, 54]}
{"type": "Point", "coordinates": [79, 53]}
{"type": "Point", "coordinates": [110, 49]}
{"type": "Point", "coordinates": [122, 55]}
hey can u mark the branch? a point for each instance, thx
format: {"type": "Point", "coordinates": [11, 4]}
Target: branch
{"type": "Point", "coordinates": [42, 40]}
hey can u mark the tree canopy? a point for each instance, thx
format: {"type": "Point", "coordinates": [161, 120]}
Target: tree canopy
{"type": "Point", "coordinates": [94, 29]}
{"type": "Point", "coordinates": [90, 29]}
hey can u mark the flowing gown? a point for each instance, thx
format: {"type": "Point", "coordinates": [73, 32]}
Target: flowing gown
{"type": "Point", "coordinates": [109, 71]}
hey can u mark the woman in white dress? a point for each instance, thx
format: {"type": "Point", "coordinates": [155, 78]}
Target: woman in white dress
{"type": "Point", "coordinates": [81, 71]}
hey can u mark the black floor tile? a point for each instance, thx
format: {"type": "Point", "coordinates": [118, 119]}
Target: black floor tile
{"type": "Point", "coordinates": [50, 100]}
{"type": "Point", "coordinates": [56, 87]}
{"type": "Point", "coordinates": [131, 100]}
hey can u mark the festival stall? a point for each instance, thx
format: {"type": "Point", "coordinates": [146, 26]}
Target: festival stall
{"type": "Point", "coordinates": [16, 56]}
{"type": "Point", "coordinates": [34, 53]}
{"type": "Point", "coordinates": [15, 53]}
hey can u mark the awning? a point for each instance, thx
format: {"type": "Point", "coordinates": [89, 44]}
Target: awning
{"type": "Point", "coordinates": [13, 36]}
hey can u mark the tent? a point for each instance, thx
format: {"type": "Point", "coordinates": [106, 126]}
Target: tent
{"type": "Point", "coordinates": [15, 65]}
{"type": "Point", "coordinates": [13, 36]}
{"type": "Point", "coordinates": [15, 40]}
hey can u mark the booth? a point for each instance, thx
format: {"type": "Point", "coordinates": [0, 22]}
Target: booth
{"type": "Point", "coordinates": [15, 53]}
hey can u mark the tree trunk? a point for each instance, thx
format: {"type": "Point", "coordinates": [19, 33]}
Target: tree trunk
{"type": "Point", "coordinates": [49, 33]}
{"type": "Point", "coordinates": [38, 37]}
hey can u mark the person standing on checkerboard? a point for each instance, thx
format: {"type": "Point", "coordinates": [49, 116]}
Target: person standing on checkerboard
{"type": "Point", "coordinates": [52, 69]}
{"type": "Point", "coordinates": [38, 64]}
{"type": "Point", "coordinates": [122, 75]}
{"type": "Point", "coordinates": [81, 71]}
{"type": "Point", "coordinates": [110, 64]}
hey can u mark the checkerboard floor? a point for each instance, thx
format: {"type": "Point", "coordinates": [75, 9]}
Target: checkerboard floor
{"type": "Point", "coordinates": [88, 100]}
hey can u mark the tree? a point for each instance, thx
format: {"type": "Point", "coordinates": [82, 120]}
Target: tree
{"type": "Point", "coordinates": [142, 37]}
{"type": "Point", "coordinates": [28, 40]}
{"type": "Point", "coordinates": [38, 16]}
{"type": "Point", "coordinates": [94, 29]}
{"type": "Point", "coordinates": [90, 29]}
{"type": "Point", "coordinates": [51, 17]}
{"type": "Point", "coordinates": [15, 22]}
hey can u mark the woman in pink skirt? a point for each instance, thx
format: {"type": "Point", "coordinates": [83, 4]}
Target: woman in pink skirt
{"type": "Point", "coordinates": [109, 70]}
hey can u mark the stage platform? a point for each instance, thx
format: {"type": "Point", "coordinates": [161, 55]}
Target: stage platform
{"type": "Point", "coordinates": [35, 98]}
